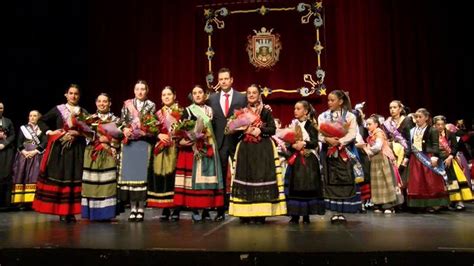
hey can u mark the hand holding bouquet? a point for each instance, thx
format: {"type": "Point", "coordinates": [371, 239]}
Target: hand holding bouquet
{"type": "Point", "coordinates": [240, 120]}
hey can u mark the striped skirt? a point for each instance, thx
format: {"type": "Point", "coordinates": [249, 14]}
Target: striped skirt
{"type": "Point", "coordinates": [161, 185]}
{"type": "Point", "coordinates": [99, 186]}
{"type": "Point", "coordinates": [58, 190]}
{"type": "Point", "coordinates": [252, 198]}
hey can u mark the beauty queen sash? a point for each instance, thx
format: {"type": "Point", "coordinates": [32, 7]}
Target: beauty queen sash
{"type": "Point", "coordinates": [427, 162]}
{"type": "Point", "coordinates": [29, 133]}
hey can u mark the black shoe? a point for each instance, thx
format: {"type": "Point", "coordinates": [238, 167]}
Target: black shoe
{"type": "Point", "coordinates": [63, 219]}
{"type": "Point", "coordinates": [244, 220]}
{"type": "Point", "coordinates": [220, 217]}
{"type": "Point", "coordinates": [341, 218]}
{"type": "Point", "coordinates": [259, 220]}
{"type": "Point", "coordinates": [165, 215]}
{"type": "Point", "coordinates": [295, 219]}
{"type": "Point", "coordinates": [140, 217]}
{"type": "Point", "coordinates": [306, 219]}
{"type": "Point", "coordinates": [175, 215]}
{"type": "Point", "coordinates": [70, 218]}
{"type": "Point", "coordinates": [335, 219]}
{"type": "Point", "coordinates": [132, 217]}
{"type": "Point", "coordinates": [205, 216]}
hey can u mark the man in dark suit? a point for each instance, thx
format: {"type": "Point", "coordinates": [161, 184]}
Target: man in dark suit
{"type": "Point", "coordinates": [7, 152]}
{"type": "Point", "coordinates": [223, 104]}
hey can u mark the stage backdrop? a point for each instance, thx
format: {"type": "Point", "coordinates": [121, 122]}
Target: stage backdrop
{"type": "Point", "coordinates": [378, 50]}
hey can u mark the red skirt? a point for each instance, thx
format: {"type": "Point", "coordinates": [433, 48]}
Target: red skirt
{"type": "Point", "coordinates": [57, 199]}
{"type": "Point", "coordinates": [184, 194]}
{"type": "Point", "coordinates": [423, 183]}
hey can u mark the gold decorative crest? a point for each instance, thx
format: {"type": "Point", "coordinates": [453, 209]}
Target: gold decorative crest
{"type": "Point", "coordinates": [263, 48]}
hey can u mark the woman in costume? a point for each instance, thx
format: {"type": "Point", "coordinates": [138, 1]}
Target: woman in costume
{"type": "Point", "coordinates": [398, 127]}
{"type": "Point", "coordinates": [303, 182]}
{"type": "Point", "coordinates": [99, 180]}
{"type": "Point", "coordinates": [337, 132]}
{"type": "Point", "coordinates": [199, 183]}
{"type": "Point", "coordinates": [458, 184]}
{"type": "Point", "coordinates": [426, 187]}
{"type": "Point", "coordinates": [257, 185]}
{"type": "Point", "coordinates": [58, 190]}
{"type": "Point", "coordinates": [384, 177]}
{"type": "Point", "coordinates": [161, 185]}
{"type": "Point", "coordinates": [7, 153]}
{"type": "Point", "coordinates": [31, 144]}
{"type": "Point", "coordinates": [136, 151]}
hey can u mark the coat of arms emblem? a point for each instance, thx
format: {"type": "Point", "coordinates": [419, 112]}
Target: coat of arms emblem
{"type": "Point", "coordinates": [263, 48]}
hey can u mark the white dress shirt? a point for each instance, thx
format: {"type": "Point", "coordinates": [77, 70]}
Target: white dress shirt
{"type": "Point", "coordinates": [222, 99]}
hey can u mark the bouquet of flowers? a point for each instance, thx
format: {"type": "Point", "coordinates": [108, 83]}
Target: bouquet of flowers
{"type": "Point", "coordinates": [149, 124]}
{"type": "Point", "coordinates": [291, 135]}
{"type": "Point", "coordinates": [77, 122]}
{"type": "Point", "coordinates": [171, 118]}
{"type": "Point", "coordinates": [333, 129]}
{"type": "Point", "coordinates": [240, 120]}
{"type": "Point", "coordinates": [111, 132]}
{"type": "Point", "coordinates": [196, 132]}
{"type": "Point", "coordinates": [288, 135]}
{"type": "Point", "coordinates": [167, 122]}
{"type": "Point", "coordinates": [81, 122]}
{"type": "Point", "coordinates": [183, 129]}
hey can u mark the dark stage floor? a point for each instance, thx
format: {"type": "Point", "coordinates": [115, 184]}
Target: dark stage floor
{"type": "Point", "coordinates": [367, 239]}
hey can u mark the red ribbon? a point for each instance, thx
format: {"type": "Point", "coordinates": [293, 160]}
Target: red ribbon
{"type": "Point", "coordinates": [51, 140]}
{"type": "Point", "coordinates": [292, 158]}
{"type": "Point", "coordinates": [341, 149]}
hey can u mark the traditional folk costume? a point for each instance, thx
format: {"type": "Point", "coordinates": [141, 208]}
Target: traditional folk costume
{"type": "Point", "coordinates": [99, 180]}
{"type": "Point", "coordinates": [385, 191]}
{"type": "Point", "coordinates": [458, 185]}
{"type": "Point", "coordinates": [58, 190]}
{"type": "Point", "coordinates": [7, 138]}
{"type": "Point", "coordinates": [398, 133]}
{"type": "Point", "coordinates": [199, 181]}
{"type": "Point", "coordinates": [27, 170]}
{"type": "Point", "coordinates": [161, 184]}
{"type": "Point", "coordinates": [365, 192]}
{"type": "Point", "coordinates": [134, 169]}
{"type": "Point", "coordinates": [426, 186]}
{"type": "Point", "coordinates": [257, 188]}
{"type": "Point", "coordinates": [303, 182]}
{"type": "Point", "coordinates": [340, 164]}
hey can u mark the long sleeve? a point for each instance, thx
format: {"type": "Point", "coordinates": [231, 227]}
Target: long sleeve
{"type": "Point", "coordinates": [124, 115]}
{"type": "Point", "coordinates": [320, 135]}
{"type": "Point", "coordinates": [312, 143]}
{"type": "Point", "coordinates": [433, 143]}
{"type": "Point", "coordinates": [11, 134]}
{"type": "Point", "coordinates": [377, 146]}
{"type": "Point", "coordinates": [269, 127]}
{"type": "Point", "coordinates": [46, 120]}
{"type": "Point", "coordinates": [43, 142]}
{"type": "Point", "coordinates": [352, 131]}
{"type": "Point", "coordinates": [20, 141]}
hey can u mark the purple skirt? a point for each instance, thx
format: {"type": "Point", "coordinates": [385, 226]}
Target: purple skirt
{"type": "Point", "coordinates": [25, 174]}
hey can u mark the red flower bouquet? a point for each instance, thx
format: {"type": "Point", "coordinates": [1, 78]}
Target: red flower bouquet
{"type": "Point", "coordinates": [240, 120]}
{"type": "Point", "coordinates": [333, 129]}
